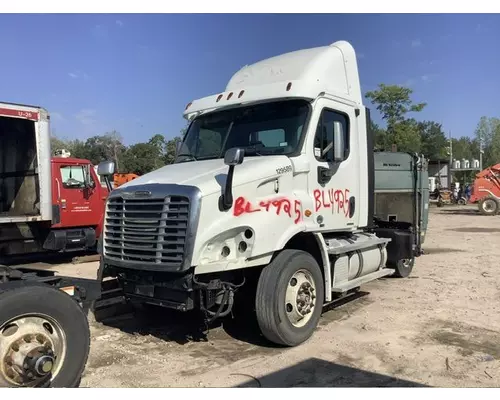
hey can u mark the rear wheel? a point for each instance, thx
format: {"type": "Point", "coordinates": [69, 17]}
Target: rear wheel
{"type": "Point", "coordinates": [404, 267]}
{"type": "Point", "coordinates": [44, 338]}
{"type": "Point", "coordinates": [488, 206]}
{"type": "Point", "coordinates": [289, 298]}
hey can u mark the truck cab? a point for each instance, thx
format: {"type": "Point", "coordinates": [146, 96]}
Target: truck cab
{"type": "Point", "coordinates": [78, 201]}
{"type": "Point", "coordinates": [272, 194]}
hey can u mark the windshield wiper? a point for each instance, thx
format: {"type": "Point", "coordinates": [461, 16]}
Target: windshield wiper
{"type": "Point", "coordinates": [187, 154]}
{"type": "Point", "coordinates": [212, 157]}
{"type": "Point", "coordinates": [252, 150]}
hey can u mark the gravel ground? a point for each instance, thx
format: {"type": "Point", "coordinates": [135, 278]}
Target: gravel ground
{"type": "Point", "coordinates": [438, 328]}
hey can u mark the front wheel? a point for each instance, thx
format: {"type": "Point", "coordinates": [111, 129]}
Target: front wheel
{"type": "Point", "coordinates": [289, 298]}
{"type": "Point", "coordinates": [44, 338]}
{"type": "Point", "coordinates": [488, 206]}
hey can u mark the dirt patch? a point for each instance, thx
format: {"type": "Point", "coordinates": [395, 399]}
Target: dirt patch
{"type": "Point", "coordinates": [107, 358]}
{"type": "Point", "coordinates": [468, 339]}
{"type": "Point", "coordinates": [475, 230]}
{"type": "Point", "coordinates": [462, 211]}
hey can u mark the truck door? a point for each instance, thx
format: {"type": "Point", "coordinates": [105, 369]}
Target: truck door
{"type": "Point", "coordinates": [334, 185]}
{"type": "Point", "coordinates": [79, 203]}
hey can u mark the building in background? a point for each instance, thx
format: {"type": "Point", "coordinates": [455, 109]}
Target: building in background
{"type": "Point", "coordinates": [439, 169]}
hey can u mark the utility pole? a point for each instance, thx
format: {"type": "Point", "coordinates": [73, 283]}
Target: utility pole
{"type": "Point", "coordinates": [450, 166]}
{"type": "Point", "coordinates": [481, 151]}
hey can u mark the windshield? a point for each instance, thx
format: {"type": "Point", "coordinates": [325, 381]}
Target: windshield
{"type": "Point", "coordinates": [263, 129]}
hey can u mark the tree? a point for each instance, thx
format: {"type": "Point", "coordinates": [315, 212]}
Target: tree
{"type": "Point", "coordinates": [170, 150]}
{"type": "Point", "coordinates": [465, 147]}
{"type": "Point", "coordinates": [57, 144]}
{"type": "Point", "coordinates": [380, 136]}
{"type": "Point", "coordinates": [141, 158]}
{"type": "Point", "coordinates": [159, 143]}
{"type": "Point", "coordinates": [406, 136]}
{"type": "Point", "coordinates": [105, 147]}
{"type": "Point", "coordinates": [393, 102]}
{"type": "Point", "coordinates": [488, 131]}
{"type": "Point", "coordinates": [115, 145]}
{"type": "Point", "coordinates": [79, 149]}
{"type": "Point", "coordinates": [433, 139]}
{"type": "Point", "coordinates": [76, 147]}
{"type": "Point", "coordinates": [171, 145]}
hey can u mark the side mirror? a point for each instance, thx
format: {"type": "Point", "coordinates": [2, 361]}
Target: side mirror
{"type": "Point", "coordinates": [234, 156]}
{"type": "Point", "coordinates": [338, 142]}
{"type": "Point", "coordinates": [106, 168]}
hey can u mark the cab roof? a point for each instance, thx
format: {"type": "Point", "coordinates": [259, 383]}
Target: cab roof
{"type": "Point", "coordinates": [69, 160]}
{"type": "Point", "coordinates": [304, 74]}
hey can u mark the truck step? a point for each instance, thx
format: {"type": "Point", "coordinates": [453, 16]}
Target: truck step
{"type": "Point", "coordinates": [337, 247]}
{"type": "Point", "coordinates": [343, 287]}
{"type": "Point", "coordinates": [111, 304]}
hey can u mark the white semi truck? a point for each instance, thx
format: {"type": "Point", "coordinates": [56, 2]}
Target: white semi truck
{"type": "Point", "coordinates": [270, 202]}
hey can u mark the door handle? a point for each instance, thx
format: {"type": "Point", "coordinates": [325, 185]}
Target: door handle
{"type": "Point", "coordinates": [352, 206]}
{"type": "Point", "coordinates": [324, 175]}
{"type": "Point", "coordinates": [58, 190]}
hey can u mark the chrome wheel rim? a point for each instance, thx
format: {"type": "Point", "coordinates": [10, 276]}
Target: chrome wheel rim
{"type": "Point", "coordinates": [32, 350]}
{"type": "Point", "coordinates": [300, 298]}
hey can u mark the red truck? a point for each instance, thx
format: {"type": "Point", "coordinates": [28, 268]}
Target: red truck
{"type": "Point", "coordinates": [30, 221]}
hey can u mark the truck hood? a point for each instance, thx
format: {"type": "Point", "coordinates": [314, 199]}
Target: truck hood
{"type": "Point", "coordinates": [210, 175]}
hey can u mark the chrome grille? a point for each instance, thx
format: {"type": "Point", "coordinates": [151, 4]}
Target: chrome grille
{"type": "Point", "coordinates": [146, 231]}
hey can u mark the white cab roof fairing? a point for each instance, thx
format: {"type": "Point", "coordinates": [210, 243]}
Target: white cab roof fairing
{"type": "Point", "coordinates": [329, 69]}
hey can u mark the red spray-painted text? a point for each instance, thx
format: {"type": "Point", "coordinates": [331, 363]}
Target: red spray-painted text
{"type": "Point", "coordinates": [337, 200]}
{"type": "Point", "coordinates": [280, 205]}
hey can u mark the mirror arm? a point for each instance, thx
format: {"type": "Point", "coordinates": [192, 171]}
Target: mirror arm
{"type": "Point", "coordinates": [108, 183]}
{"type": "Point", "coordinates": [226, 199]}
{"type": "Point", "coordinates": [88, 177]}
{"type": "Point", "coordinates": [232, 158]}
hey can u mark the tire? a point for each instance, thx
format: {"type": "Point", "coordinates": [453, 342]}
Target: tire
{"type": "Point", "coordinates": [63, 314]}
{"type": "Point", "coordinates": [488, 206]}
{"type": "Point", "coordinates": [404, 267]}
{"type": "Point", "coordinates": [462, 202]}
{"type": "Point", "coordinates": [270, 300]}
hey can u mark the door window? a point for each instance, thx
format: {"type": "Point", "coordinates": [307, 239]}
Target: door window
{"type": "Point", "coordinates": [323, 141]}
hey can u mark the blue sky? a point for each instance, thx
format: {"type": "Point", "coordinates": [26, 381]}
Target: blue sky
{"type": "Point", "coordinates": [136, 73]}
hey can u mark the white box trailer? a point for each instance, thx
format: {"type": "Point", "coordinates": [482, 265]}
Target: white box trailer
{"type": "Point", "coordinates": [26, 192]}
